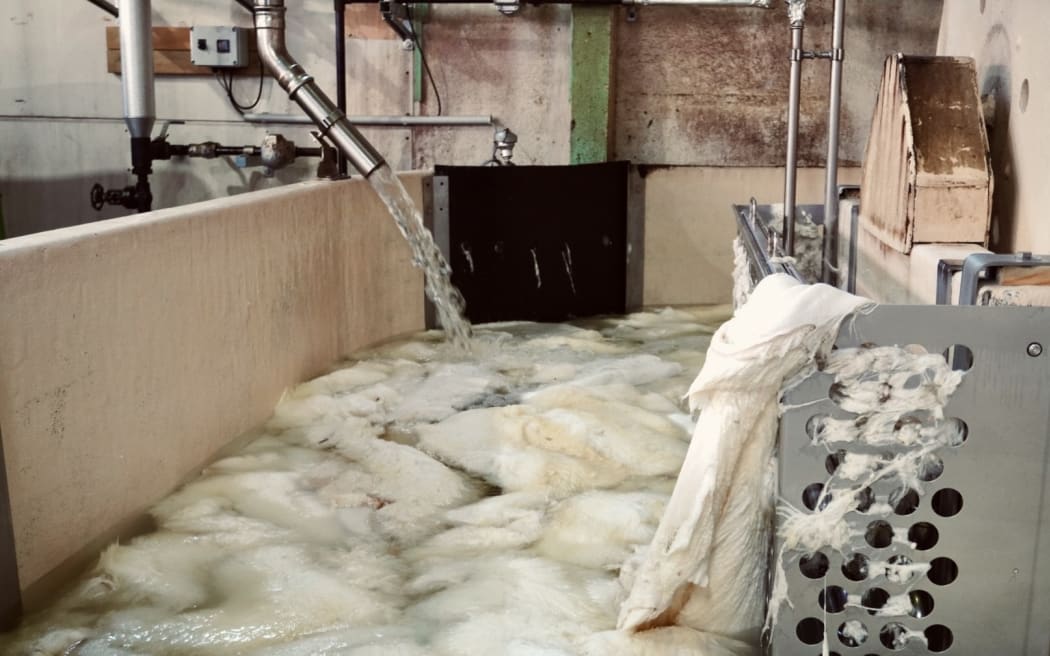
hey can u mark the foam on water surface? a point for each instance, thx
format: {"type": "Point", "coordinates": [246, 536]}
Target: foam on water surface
{"type": "Point", "coordinates": [414, 502]}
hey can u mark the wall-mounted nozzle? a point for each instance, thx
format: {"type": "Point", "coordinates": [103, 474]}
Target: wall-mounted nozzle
{"type": "Point", "coordinates": [333, 124]}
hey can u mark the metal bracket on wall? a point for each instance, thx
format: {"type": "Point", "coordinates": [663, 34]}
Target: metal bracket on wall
{"type": "Point", "coordinates": [436, 219]}
{"type": "Point", "coordinates": [396, 15]}
{"type": "Point", "coordinates": [975, 267]}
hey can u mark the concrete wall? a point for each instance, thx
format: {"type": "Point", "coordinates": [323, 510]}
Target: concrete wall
{"type": "Point", "coordinates": [689, 226]}
{"type": "Point", "coordinates": [683, 74]}
{"type": "Point", "coordinates": [134, 349]}
{"type": "Point", "coordinates": [703, 86]}
{"type": "Point", "coordinates": [1008, 39]}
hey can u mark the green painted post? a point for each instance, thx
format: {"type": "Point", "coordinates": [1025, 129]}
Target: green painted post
{"type": "Point", "coordinates": [591, 83]}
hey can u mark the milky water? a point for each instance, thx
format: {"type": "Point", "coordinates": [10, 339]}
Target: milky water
{"type": "Point", "coordinates": [426, 255]}
{"type": "Point", "coordinates": [416, 501]}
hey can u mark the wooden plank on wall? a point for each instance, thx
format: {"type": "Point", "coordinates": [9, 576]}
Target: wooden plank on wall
{"type": "Point", "coordinates": [171, 53]}
{"type": "Point", "coordinates": [591, 90]}
{"type": "Point", "coordinates": [177, 62]}
{"type": "Point", "coordinates": [363, 21]}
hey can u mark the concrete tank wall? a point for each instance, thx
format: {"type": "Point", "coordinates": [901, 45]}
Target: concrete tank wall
{"type": "Point", "coordinates": [134, 349]}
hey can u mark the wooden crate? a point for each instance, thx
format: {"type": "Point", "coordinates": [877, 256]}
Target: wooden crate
{"type": "Point", "coordinates": [926, 176]}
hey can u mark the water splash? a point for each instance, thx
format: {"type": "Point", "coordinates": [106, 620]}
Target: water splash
{"type": "Point", "coordinates": [426, 255]}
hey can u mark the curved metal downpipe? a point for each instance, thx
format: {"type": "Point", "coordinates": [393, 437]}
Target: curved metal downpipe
{"type": "Point", "coordinates": [269, 27]}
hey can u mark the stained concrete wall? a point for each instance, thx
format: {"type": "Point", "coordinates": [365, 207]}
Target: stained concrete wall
{"type": "Point", "coordinates": [1008, 40]}
{"type": "Point", "coordinates": [134, 349]}
{"type": "Point", "coordinates": [703, 86]}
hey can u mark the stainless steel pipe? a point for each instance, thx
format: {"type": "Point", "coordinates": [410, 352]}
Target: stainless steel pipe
{"type": "Point", "coordinates": [386, 121]}
{"type": "Point", "coordinates": [797, 16]}
{"type": "Point", "coordinates": [136, 67]}
{"type": "Point", "coordinates": [831, 182]}
{"type": "Point", "coordinates": [334, 125]}
{"type": "Point", "coordinates": [763, 4]}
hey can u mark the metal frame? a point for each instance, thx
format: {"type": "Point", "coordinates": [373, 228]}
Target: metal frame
{"type": "Point", "coordinates": [974, 268]}
{"type": "Point", "coordinates": [1001, 598]}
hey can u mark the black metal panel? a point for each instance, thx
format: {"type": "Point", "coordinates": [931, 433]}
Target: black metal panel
{"type": "Point", "coordinates": [540, 243]}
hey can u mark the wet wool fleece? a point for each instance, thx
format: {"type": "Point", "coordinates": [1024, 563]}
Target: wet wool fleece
{"type": "Point", "coordinates": [414, 502]}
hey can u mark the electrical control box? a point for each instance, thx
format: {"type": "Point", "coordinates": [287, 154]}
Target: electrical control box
{"type": "Point", "coordinates": [219, 47]}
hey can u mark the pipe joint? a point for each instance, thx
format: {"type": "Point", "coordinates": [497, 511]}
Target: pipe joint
{"type": "Point", "coordinates": [301, 87]}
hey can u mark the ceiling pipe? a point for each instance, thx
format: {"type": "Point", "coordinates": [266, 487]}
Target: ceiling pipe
{"type": "Point", "coordinates": [269, 28]}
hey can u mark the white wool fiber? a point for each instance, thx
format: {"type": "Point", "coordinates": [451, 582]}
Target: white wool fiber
{"type": "Point", "coordinates": [714, 532]}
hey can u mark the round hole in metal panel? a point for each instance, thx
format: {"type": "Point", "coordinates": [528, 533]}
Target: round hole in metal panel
{"type": "Point", "coordinates": [943, 571]}
{"type": "Point", "coordinates": [894, 636]}
{"type": "Point", "coordinates": [959, 357]}
{"type": "Point", "coordinates": [813, 566]}
{"type": "Point", "coordinates": [930, 467]}
{"type": "Point", "coordinates": [873, 599]}
{"type": "Point", "coordinates": [832, 599]}
{"type": "Point", "coordinates": [947, 502]}
{"type": "Point", "coordinates": [815, 427]}
{"type": "Point", "coordinates": [921, 603]}
{"type": "Point", "coordinates": [837, 393]}
{"type": "Point", "coordinates": [853, 633]}
{"type": "Point", "coordinates": [811, 495]}
{"type": "Point", "coordinates": [904, 500]}
{"type": "Point", "coordinates": [832, 462]}
{"type": "Point", "coordinates": [810, 631]}
{"type": "Point", "coordinates": [953, 431]}
{"type": "Point", "coordinates": [865, 498]}
{"type": "Point", "coordinates": [899, 569]}
{"type": "Point", "coordinates": [879, 534]}
{"type": "Point", "coordinates": [938, 638]}
{"type": "Point", "coordinates": [923, 535]}
{"type": "Point", "coordinates": [855, 568]}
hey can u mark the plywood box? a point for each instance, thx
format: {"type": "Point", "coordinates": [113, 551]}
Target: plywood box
{"type": "Point", "coordinates": [926, 175]}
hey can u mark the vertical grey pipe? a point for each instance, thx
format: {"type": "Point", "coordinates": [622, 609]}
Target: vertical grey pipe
{"type": "Point", "coordinates": [831, 183]}
{"type": "Point", "coordinates": [269, 27]}
{"type": "Point", "coordinates": [340, 70]}
{"type": "Point", "coordinates": [136, 66]}
{"type": "Point", "coordinates": [797, 12]}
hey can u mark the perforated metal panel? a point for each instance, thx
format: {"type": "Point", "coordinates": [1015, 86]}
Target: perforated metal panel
{"type": "Point", "coordinates": [988, 591]}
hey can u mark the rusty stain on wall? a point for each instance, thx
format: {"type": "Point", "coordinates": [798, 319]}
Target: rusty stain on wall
{"type": "Point", "coordinates": [708, 86]}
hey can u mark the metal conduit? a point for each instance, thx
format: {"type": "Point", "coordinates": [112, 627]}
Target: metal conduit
{"type": "Point", "coordinates": [383, 121]}
{"type": "Point", "coordinates": [107, 7]}
{"type": "Point", "coordinates": [831, 183]}
{"type": "Point", "coordinates": [797, 14]}
{"type": "Point", "coordinates": [762, 4]}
